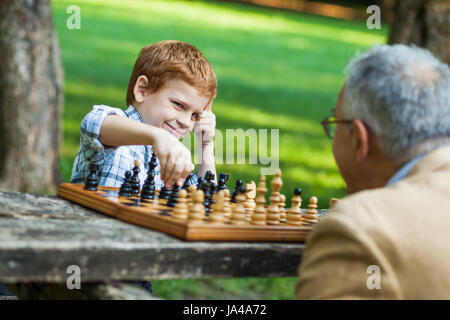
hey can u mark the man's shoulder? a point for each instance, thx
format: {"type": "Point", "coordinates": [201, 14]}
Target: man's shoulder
{"type": "Point", "coordinates": [409, 206]}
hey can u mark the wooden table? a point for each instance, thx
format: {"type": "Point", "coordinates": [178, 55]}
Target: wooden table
{"type": "Point", "coordinates": [40, 236]}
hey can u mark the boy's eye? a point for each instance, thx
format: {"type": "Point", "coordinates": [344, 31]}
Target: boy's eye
{"type": "Point", "coordinates": [179, 105]}
{"type": "Point", "coordinates": [195, 115]}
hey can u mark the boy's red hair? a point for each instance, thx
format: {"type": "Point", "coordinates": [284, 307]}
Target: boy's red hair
{"type": "Point", "coordinates": [168, 60]}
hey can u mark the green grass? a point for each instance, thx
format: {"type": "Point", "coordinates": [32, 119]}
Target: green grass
{"type": "Point", "coordinates": [275, 69]}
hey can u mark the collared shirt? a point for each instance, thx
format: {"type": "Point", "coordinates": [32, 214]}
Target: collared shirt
{"type": "Point", "coordinates": [112, 162]}
{"type": "Point", "coordinates": [406, 168]}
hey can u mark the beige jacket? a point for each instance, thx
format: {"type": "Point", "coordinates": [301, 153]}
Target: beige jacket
{"type": "Point", "coordinates": [404, 229]}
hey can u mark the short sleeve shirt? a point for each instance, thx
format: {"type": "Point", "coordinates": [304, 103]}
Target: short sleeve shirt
{"type": "Point", "coordinates": [112, 162]}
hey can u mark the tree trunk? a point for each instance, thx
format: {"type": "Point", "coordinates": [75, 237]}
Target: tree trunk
{"type": "Point", "coordinates": [31, 97]}
{"type": "Point", "coordinates": [425, 23]}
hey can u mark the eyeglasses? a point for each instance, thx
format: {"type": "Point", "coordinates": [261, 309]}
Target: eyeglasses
{"type": "Point", "coordinates": [329, 125]}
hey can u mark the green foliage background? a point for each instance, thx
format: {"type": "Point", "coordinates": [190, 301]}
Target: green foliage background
{"type": "Point", "coordinates": [275, 69]}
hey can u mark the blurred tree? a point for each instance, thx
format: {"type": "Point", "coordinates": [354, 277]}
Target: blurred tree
{"type": "Point", "coordinates": [31, 97]}
{"type": "Point", "coordinates": [425, 23]}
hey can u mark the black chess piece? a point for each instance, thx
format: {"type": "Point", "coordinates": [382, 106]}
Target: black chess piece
{"type": "Point", "coordinates": [126, 189]}
{"type": "Point", "coordinates": [148, 189]}
{"type": "Point", "coordinates": [92, 179]}
{"type": "Point", "coordinates": [153, 163]}
{"type": "Point", "coordinates": [236, 190]}
{"type": "Point", "coordinates": [297, 191]}
{"type": "Point", "coordinates": [173, 196]}
{"type": "Point", "coordinates": [209, 176]}
{"type": "Point", "coordinates": [199, 182]}
{"type": "Point", "coordinates": [187, 181]}
{"type": "Point", "coordinates": [223, 178]}
{"type": "Point", "coordinates": [206, 188]}
{"type": "Point", "coordinates": [165, 193]}
{"type": "Point", "coordinates": [135, 183]}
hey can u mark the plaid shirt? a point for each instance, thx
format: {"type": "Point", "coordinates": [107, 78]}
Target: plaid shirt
{"type": "Point", "coordinates": [113, 162]}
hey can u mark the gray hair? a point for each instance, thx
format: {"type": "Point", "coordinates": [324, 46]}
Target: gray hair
{"type": "Point", "coordinates": [402, 93]}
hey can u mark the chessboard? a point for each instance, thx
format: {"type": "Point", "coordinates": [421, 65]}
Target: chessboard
{"type": "Point", "coordinates": [189, 215]}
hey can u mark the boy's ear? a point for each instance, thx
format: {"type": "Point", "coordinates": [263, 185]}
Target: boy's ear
{"type": "Point", "coordinates": [140, 88]}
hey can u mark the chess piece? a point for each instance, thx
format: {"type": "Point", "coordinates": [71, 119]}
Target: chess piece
{"type": "Point", "coordinates": [135, 183]}
{"type": "Point", "coordinates": [165, 193]}
{"type": "Point", "coordinates": [259, 213]}
{"type": "Point", "coordinates": [294, 214]}
{"type": "Point", "coordinates": [238, 216]}
{"type": "Point", "coordinates": [191, 189]}
{"type": "Point", "coordinates": [197, 211]}
{"type": "Point", "coordinates": [199, 182]}
{"type": "Point", "coordinates": [311, 216]}
{"type": "Point", "coordinates": [223, 178]}
{"type": "Point", "coordinates": [126, 189]}
{"type": "Point", "coordinates": [173, 196]}
{"type": "Point", "coordinates": [148, 189]}
{"type": "Point", "coordinates": [282, 205]}
{"type": "Point", "coordinates": [236, 190]}
{"type": "Point", "coordinates": [216, 215]}
{"type": "Point", "coordinates": [187, 181]}
{"type": "Point", "coordinates": [206, 188]}
{"type": "Point", "coordinates": [250, 198]}
{"type": "Point", "coordinates": [92, 179]}
{"type": "Point", "coordinates": [181, 209]}
{"type": "Point", "coordinates": [227, 206]}
{"type": "Point", "coordinates": [273, 211]}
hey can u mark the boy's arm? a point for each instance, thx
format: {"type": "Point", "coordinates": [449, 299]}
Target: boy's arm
{"type": "Point", "coordinates": [204, 132]}
{"type": "Point", "coordinates": [174, 157]}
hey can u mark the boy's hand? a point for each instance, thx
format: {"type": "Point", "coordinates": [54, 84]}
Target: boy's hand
{"type": "Point", "coordinates": [205, 127]}
{"type": "Point", "coordinates": [174, 158]}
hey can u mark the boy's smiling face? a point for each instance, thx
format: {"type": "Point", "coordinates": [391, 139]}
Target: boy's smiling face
{"type": "Point", "coordinates": [175, 107]}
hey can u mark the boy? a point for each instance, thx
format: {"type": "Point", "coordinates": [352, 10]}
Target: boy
{"type": "Point", "coordinates": [170, 93]}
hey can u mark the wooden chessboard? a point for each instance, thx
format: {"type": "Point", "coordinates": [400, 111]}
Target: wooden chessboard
{"type": "Point", "coordinates": [157, 216]}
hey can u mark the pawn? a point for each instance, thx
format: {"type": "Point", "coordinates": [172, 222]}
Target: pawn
{"type": "Point", "coordinates": [250, 196]}
{"type": "Point", "coordinates": [135, 183]}
{"type": "Point", "coordinates": [259, 213]}
{"type": "Point", "coordinates": [223, 178]}
{"type": "Point", "coordinates": [181, 209]}
{"type": "Point", "coordinates": [148, 189]}
{"type": "Point", "coordinates": [216, 215]}
{"type": "Point", "coordinates": [191, 189]}
{"type": "Point", "coordinates": [311, 216]}
{"type": "Point", "coordinates": [165, 193]}
{"type": "Point", "coordinates": [238, 216]}
{"type": "Point", "coordinates": [92, 178]}
{"type": "Point", "coordinates": [226, 205]}
{"type": "Point", "coordinates": [273, 211]}
{"type": "Point", "coordinates": [126, 189]}
{"type": "Point", "coordinates": [294, 214]}
{"type": "Point", "coordinates": [236, 191]}
{"type": "Point", "coordinates": [173, 196]}
{"type": "Point", "coordinates": [197, 211]}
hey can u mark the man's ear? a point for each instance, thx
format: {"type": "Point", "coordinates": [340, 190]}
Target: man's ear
{"type": "Point", "coordinates": [140, 88]}
{"type": "Point", "coordinates": [360, 140]}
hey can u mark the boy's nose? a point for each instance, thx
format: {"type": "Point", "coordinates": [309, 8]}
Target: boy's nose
{"type": "Point", "coordinates": [184, 122]}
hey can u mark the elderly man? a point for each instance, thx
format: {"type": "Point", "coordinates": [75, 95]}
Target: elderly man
{"type": "Point", "coordinates": [390, 238]}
